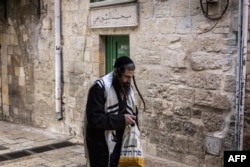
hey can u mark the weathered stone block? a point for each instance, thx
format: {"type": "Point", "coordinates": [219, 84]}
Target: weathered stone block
{"type": "Point", "coordinates": [194, 7]}
{"type": "Point", "coordinates": [159, 74]}
{"type": "Point", "coordinates": [202, 60]}
{"type": "Point", "coordinates": [213, 161]}
{"type": "Point", "coordinates": [186, 95]}
{"type": "Point", "coordinates": [195, 147]}
{"type": "Point", "coordinates": [174, 155]}
{"type": "Point", "coordinates": [4, 70]}
{"type": "Point", "coordinates": [71, 101]}
{"type": "Point", "coordinates": [77, 116]}
{"type": "Point", "coordinates": [154, 139]}
{"type": "Point", "coordinates": [203, 98]}
{"type": "Point", "coordinates": [11, 70]}
{"type": "Point", "coordinates": [212, 122]}
{"type": "Point", "coordinates": [162, 9]}
{"type": "Point", "coordinates": [21, 81]}
{"type": "Point", "coordinates": [151, 120]}
{"type": "Point", "coordinates": [184, 25]}
{"type": "Point", "coordinates": [223, 28]}
{"type": "Point", "coordinates": [179, 8]}
{"type": "Point", "coordinates": [191, 160]}
{"type": "Point", "coordinates": [175, 58]}
{"type": "Point", "coordinates": [6, 111]}
{"type": "Point", "coordinates": [10, 50]}
{"type": "Point", "coordinates": [196, 80]}
{"type": "Point", "coordinates": [213, 81]}
{"type": "Point", "coordinates": [196, 113]}
{"type": "Point", "coordinates": [183, 112]}
{"type": "Point", "coordinates": [221, 101]}
{"type": "Point", "coordinates": [149, 148]}
{"type": "Point", "coordinates": [230, 83]}
{"type": "Point", "coordinates": [189, 129]}
{"type": "Point", "coordinates": [168, 26]}
{"type": "Point", "coordinates": [191, 45]}
{"type": "Point", "coordinates": [159, 106]}
{"type": "Point", "coordinates": [5, 94]}
{"type": "Point", "coordinates": [175, 126]}
{"type": "Point", "coordinates": [212, 43]}
{"type": "Point", "coordinates": [13, 40]}
{"type": "Point", "coordinates": [153, 59]}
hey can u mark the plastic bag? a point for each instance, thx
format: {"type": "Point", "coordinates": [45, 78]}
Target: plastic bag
{"type": "Point", "coordinates": [131, 151]}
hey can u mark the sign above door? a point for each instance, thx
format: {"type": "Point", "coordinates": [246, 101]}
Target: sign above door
{"type": "Point", "coordinates": [114, 16]}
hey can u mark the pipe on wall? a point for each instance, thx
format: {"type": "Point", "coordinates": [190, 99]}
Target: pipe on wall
{"type": "Point", "coordinates": [58, 89]}
{"type": "Point", "coordinates": [241, 72]}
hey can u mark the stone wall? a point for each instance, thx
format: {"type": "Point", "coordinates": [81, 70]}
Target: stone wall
{"type": "Point", "coordinates": [75, 68]}
{"type": "Point", "coordinates": [186, 67]}
{"type": "Point", "coordinates": [19, 47]}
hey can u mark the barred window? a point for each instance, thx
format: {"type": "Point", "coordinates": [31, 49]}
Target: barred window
{"type": "Point", "coordinates": [97, 3]}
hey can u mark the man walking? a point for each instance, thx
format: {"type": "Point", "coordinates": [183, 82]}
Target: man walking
{"type": "Point", "coordinates": [110, 107]}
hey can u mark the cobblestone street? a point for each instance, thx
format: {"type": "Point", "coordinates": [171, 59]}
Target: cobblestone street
{"type": "Point", "coordinates": [23, 146]}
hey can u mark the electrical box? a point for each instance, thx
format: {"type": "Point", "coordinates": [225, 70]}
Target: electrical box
{"type": "Point", "coordinates": [214, 143]}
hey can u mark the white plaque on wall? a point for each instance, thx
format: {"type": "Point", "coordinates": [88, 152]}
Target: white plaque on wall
{"type": "Point", "coordinates": [114, 16]}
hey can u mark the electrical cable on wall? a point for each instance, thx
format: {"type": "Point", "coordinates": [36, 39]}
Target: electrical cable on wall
{"type": "Point", "coordinates": [211, 17]}
{"type": "Point", "coordinates": [205, 9]}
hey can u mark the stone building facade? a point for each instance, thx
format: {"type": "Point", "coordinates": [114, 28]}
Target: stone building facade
{"type": "Point", "coordinates": [186, 69]}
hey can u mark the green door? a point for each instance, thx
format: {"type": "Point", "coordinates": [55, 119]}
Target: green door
{"type": "Point", "coordinates": [116, 46]}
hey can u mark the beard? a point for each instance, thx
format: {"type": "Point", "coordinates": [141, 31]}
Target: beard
{"type": "Point", "coordinates": [122, 87]}
{"type": "Point", "coordinates": [126, 87]}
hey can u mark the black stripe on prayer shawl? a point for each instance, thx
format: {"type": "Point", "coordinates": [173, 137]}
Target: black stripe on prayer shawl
{"type": "Point", "coordinates": [112, 112]}
{"type": "Point", "coordinates": [130, 110]}
{"type": "Point", "coordinates": [113, 109]}
{"type": "Point", "coordinates": [113, 106]}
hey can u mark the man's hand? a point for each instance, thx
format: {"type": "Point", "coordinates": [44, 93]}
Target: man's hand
{"type": "Point", "coordinates": [129, 119]}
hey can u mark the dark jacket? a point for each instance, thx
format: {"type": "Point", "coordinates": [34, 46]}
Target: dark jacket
{"type": "Point", "coordinates": [97, 122]}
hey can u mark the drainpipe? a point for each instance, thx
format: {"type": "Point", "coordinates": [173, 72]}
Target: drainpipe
{"type": "Point", "coordinates": [58, 89]}
{"type": "Point", "coordinates": [241, 72]}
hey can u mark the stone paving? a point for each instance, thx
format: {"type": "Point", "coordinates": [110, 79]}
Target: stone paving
{"type": "Point", "coordinates": [15, 138]}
